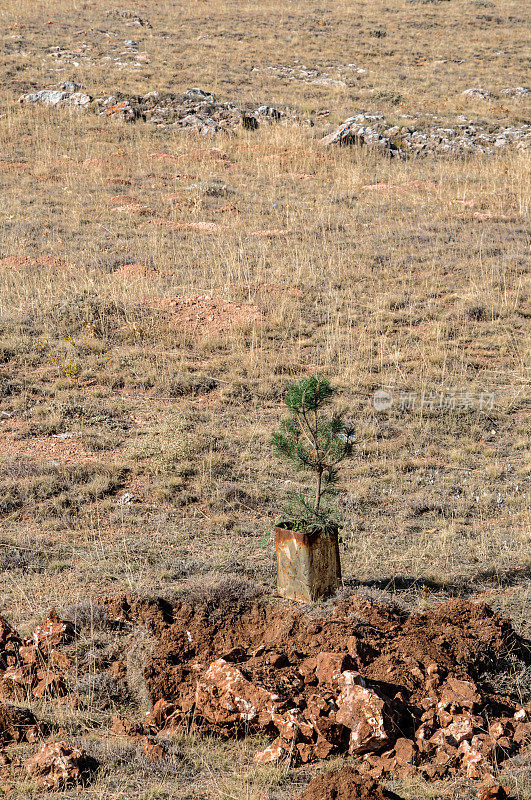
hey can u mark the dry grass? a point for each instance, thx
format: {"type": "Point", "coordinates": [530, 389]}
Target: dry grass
{"type": "Point", "coordinates": [417, 290]}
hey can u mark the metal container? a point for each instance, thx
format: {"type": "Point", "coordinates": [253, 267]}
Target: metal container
{"type": "Point", "coordinates": [308, 565]}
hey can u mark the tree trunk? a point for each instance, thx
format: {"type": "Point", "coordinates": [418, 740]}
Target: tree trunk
{"type": "Point", "coordinates": [318, 492]}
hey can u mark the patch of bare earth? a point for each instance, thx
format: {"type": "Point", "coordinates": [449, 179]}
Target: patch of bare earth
{"type": "Point", "coordinates": [203, 314]}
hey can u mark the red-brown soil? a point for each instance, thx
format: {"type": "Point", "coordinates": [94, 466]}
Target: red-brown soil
{"type": "Point", "coordinates": [346, 784]}
{"type": "Point", "coordinates": [402, 692]}
{"type": "Point", "coordinates": [204, 314]}
{"type": "Point", "coordinates": [314, 681]}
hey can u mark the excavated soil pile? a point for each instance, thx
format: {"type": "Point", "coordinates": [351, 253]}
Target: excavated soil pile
{"type": "Point", "coordinates": [401, 692]}
{"type": "Point", "coordinates": [404, 692]}
{"type": "Point", "coordinates": [345, 785]}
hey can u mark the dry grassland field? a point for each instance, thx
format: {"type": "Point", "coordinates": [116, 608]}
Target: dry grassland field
{"type": "Point", "coordinates": [169, 264]}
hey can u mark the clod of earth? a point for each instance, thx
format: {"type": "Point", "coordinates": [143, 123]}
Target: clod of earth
{"type": "Point", "coordinates": [345, 785]}
{"type": "Point", "coordinates": [493, 791]}
{"type": "Point", "coordinates": [53, 631]}
{"type": "Point", "coordinates": [56, 765]}
{"type": "Point", "coordinates": [18, 725]}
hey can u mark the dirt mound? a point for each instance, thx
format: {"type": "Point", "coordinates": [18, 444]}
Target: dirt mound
{"type": "Point", "coordinates": [200, 314]}
{"type": "Point", "coordinates": [345, 785]}
{"type": "Point", "coordinates": [405, 692]}
{"type": "Point", "coordinates": [402, 692]}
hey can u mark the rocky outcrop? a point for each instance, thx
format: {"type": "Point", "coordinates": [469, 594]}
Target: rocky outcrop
{"type": "Point", "coordinates": [195, 109]}
{"type": "Point", "coordinates": [426, 135]}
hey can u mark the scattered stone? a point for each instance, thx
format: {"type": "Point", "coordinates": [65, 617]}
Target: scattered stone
{"type": "Point", "coordinates": [57, 97]}
{"type": "Point", "coordinates": [365, 713]}
{"type": "Point", "coordinates": [225, 697]}
{"type": "Point", "coordinates": [271, 754]}
{"type": "Point", "coordinates": [356, 131]}
{"type": "Point", "coordinates": [195, 109]}
{"type": "Point", "coordinates": [518, 91]}
{"type": "Point", "coordinates": [329, 82]}
{"type": "Point", "coordinates": [477, 94]}
{"type": "Point", "coordinates": [53, 631]}
{"type": "Point", "coordinates": [427, 137]}
{"type": "Point", "coordinates": [198, 110]}
{"type": "Point", "coordinates": [458, 694]}
{"type": "Point", "coordinates": [16, 682]}
{"type": "Point", "coordinates": [270, 112]}
{"type": "Point", "coordinates": [329, 667]}
{"type": "Point", "coordinates": [56, 765]}
{"type": "Point", "coordinates": [473, 762]}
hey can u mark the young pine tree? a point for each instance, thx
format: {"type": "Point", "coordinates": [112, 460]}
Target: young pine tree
{"type": "Point", "coordinates": [312, 441]}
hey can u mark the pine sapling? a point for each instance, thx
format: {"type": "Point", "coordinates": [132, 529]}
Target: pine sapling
{"type": "Point", "coordinates": [315, 442]}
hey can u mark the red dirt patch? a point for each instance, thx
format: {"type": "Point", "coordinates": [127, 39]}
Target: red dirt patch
{"type": "Point", "coordinates": [135, 271]}
{"type": "Point", "coordinates": [205, 314]}
{"type": "Point", "coordinates": [14, 165]}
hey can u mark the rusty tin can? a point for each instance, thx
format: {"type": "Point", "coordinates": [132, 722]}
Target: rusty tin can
{"type": "Point", "coordinates": [308, 565]}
